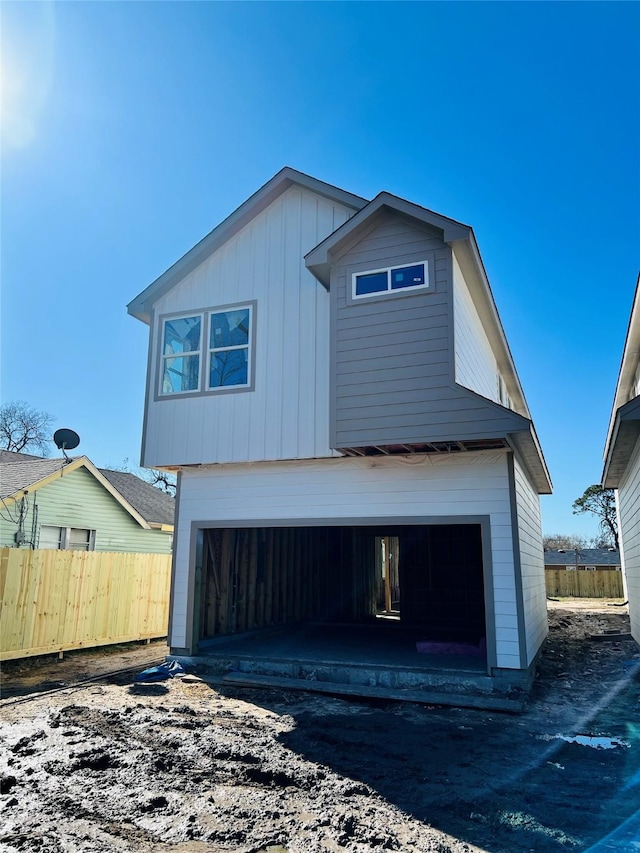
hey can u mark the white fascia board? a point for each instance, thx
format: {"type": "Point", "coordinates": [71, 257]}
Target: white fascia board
{"type": "Point", "coordinates": [67, 467]}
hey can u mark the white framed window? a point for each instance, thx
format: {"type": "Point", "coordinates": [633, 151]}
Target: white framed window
{"type": "Point", "coordinates": [570, 568]}
{"type": "Point", "coordinates": [590, 568]}
{"type": "Point", "coordinates": [67, 538]}
{"type": "Point", "coordinates": [210, 351]}
{"type": "Point", "coordinates": [181, 345]}
{"type": "Point", "coordinates": [390, 280]}
{"type": "Point", "coordinates": [229, 361]}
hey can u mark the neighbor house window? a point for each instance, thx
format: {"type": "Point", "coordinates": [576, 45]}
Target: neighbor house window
{"type": "Point", "coordinates": [390, 279]}
{"type": "Point", "coordinates": [207, 352]}
{"type": "Point", "coordinates": [67, 538]}
{"type": "Point", "coordinates": [181, 343]}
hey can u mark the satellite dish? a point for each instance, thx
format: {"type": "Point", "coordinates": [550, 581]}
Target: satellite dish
{"type": "Point", "coordinates": [66, 439]}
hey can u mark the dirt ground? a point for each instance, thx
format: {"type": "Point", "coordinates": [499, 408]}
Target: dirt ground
{"type": "Point", "coordinates": [108, 765]}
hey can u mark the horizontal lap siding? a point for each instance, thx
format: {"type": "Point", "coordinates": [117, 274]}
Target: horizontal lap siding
{"type": "Point", "coordinates": [475, 363]}
{"type": "Point", "coordinates": [355, 488]}
{"type": "Point", "coordinates": [629, 509]}
{"type": "Point", "coordinates": [77, 500]}
{"type": "Point", "coordinates": [392, 372]}
{"type": "Point", "coordinates": [285, 416]}
{"type": "Point", "coordinates": [390, 356]}
{"type": "Point", "coordinates": [534, 592]}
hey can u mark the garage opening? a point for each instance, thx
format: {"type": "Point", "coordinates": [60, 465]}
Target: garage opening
{"type": "Point", "coordinates": [425, 577]}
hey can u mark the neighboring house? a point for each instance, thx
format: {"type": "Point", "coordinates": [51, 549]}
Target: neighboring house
{"type": "Point", "coordinates": [587, 559]}
{"type": "Point", "coordinates": [71, 504]}
{"type": "Point", "coordinates": [622, 461]}
{"type": "Point", "coordinates": [327, 373]}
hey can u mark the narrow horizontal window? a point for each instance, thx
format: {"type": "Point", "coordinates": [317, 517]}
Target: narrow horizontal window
{"type": "Point", "coordinates": [374, 282]}
{"type": "Point", "coordinates": [377, 282]}
{"type": "Point", "coordinates": [408, 276]}
{"type": "Point", "coordinates": [67, 538]}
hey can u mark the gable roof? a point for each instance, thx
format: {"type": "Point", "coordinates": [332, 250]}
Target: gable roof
{"type": "Point", "coordinates": [318, 260]}
{"type": "Point", "coordinates": [20, 473]}
{"type": "Point", "coordinates": [586, 557]}
{"type": "Point", "coordinates": [140, 307]}
{"type": "Point", "coordinates": [156, 506]}
{"type": "Point", "coordinates": [14, 456]}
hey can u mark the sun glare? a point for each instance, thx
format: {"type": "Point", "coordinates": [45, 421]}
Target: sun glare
{"type": "Point", "coordinates": [26, 73]}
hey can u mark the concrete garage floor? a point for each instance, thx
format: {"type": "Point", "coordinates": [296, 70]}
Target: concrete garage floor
{"type": "Point", "coordinates": [377, 660]}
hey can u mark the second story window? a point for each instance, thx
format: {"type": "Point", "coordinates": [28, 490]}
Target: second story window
{"type": "Point", "coordinates": [377, 282]}
{"type": "Point", "coordinates": [181, 354]}
{"type": "Point", "coordinates": [229, 339]}
{"type": "Point", "coordinates": [207, 352]}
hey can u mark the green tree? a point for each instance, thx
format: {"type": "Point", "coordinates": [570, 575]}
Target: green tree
{"type": "Point", "coordinates": [600, 502]}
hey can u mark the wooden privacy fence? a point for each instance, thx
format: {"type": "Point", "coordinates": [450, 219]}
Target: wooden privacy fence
{"type": "Point", "coordinates": [582, 584]}
{"type": "Point", "coordinates": [54, 601]}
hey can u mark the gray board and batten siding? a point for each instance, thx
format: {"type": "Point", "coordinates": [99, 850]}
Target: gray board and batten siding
{"type": "Point", "coordinates": [393, 361]}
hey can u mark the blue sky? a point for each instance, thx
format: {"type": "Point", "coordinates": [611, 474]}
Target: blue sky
{"type": "Point", "coordinates": [129, 130]}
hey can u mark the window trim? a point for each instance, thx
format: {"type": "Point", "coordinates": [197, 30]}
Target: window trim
{"type": "Point", "coordinates": [205, 352]}
{"type": "Point", "coordinates": [391, 291]}
{"type": "Point", "coordinates": [210, 350]}
{"type": "Point", "coordinates": [65, 537]}
{"type": "Point", "coordinates": [164, 358]}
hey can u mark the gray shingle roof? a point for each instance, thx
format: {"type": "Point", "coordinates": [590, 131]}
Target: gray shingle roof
{"type": "Point", "coordinates": [154, 505]}
{"type": "Point", "coordinates": [20, 471]}
{"type": "Point", "coordinates": [18, 474]}
{"type": "Point", "coordinates": [586, 557]}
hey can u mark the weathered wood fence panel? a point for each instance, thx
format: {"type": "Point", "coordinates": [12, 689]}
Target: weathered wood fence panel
{"type": "Point", "coordinates": [582, 584]}
{"type": "Point", "coordinates": [55, 601]}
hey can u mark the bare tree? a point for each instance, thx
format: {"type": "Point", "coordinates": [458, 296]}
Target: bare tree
{"type": "Point", "coordinates": [600, 502]}
{"type": "Point", "coordinates": [162, 480]}
{"type": "Point", "coordinates": [565, 542]}
{"type": "Point", "coordinates": [24, 428]}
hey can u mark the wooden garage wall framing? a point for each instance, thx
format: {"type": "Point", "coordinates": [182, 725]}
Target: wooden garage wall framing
{"type": "Point", "coordinates": [267, 588]}
{"type": "Point", "coordinates": [252, 577]}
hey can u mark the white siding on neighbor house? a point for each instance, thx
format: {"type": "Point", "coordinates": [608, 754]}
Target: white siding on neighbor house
{"type": "Point", "coordinates": [380, 487]}
{"type": "Point", "coordinates": [534, 593]}
{"type": "Point", "coordinates": [629, 509]}
{"type": "Point", "coordinates": [286, 416]}
{"type": "Point", "coordinates": [475, 363]}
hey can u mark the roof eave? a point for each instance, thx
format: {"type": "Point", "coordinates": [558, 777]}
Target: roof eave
{"type": "Point", "coordinates": [628, 364]}
{"type": "Point", "coordinates": [530, 453]}
{"type": "Point", "coordinates": [623, 436]}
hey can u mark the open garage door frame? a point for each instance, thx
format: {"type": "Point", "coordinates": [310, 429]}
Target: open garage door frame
{"type": "Point", "coordinates": [196, 558]}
